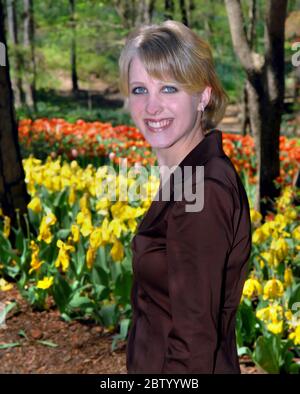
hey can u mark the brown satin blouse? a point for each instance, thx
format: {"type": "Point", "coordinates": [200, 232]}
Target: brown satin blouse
{"type": "Point", "coordinates": [189, 269]}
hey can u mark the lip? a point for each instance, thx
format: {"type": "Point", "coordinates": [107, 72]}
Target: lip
{"type": "Point", "coordinates": [157, 120]}
{"type": "Point", "coordinates": [156, 130]}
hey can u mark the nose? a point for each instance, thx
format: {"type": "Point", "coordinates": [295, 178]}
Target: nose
{"type": "Point", "coordinates": [153, 105]}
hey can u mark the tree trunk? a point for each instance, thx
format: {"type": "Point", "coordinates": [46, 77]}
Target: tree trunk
{"type": "Point", "coordinates": [73, 48]}
{"type": "Point", "coordinates": [245, 112]}
{"type": "Point", "coordinates": [184, 15]}
{"type": "Point", "coordinates": [127, 11]}
{"type": "Point", "coordinates": [251, 39]}
{"type": "Point", "coordinates": [151, 9]}
{"type": "Point", "coordinates": [265, 89]}
{"type": "Point", "coordinates": [29, 82]}
{"type": "Point", "coordinates": [169, 9]}
{"type": "Point", "coordinates": [16, 58]}
{"type": "Point", "coordinates": [13, 193]}
{"type": "Point", "coordinates": [192, 8]}
{"type": "Point", "coordinates": [142, 15]}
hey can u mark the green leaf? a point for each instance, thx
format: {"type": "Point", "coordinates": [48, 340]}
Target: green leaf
{"type": "Point", "coordinates": [244, 350]}
{"type": "Point", "coordinates": [247, 321]}
{"type": "Point", "coordinates": [100, 272]}
{"type": "Point", "coordinates": [47, 343]}
{"type": "Point", "coordinates": [101, 260]}
{"type": "Point", "coordinates": [267, 353]}
{"type": "Point", "coordinates": [9, 345]}
{"type": "Point", "coordinates": [109, 315]}
{"type": "Point", "coordinates": [295, 296]}
{"type": "Point", "coordinates": [294, 368]}
{"type": "Point", "coordinates": [6, 310]}
{"type": "Point", "coordinates": [66, 317]}
{"type": "Point", "coordinates": [80, 302]}
{"type": "Point", "coordinates": [19, 239]}
{"type": "Point", "coordinates": [123, 286]}
{"type": "Point", "coordinates": [7, 255]}
{"type": "Point", "coordinates": [61, 291]}
{"type": "Point", "coordinates": [4, 242]}
{"type": "Point", "coordinates": [63, 233]}
{"type": "Point", "coordinates": [99, 289]}
{"type": "Point", "coordinates": [22, 333]}
{"type": "Point", "coordinates": [58, 201]}
{"type": "Point", "coordinates": [80, 258]}
{"type": "Point", "coordinates": [124, 326]}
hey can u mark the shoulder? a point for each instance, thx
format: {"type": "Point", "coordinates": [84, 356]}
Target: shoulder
{"type": "Point", "coordinates": [208, 212]}
{"type": "Point", "coordinates": [218, 170]}
{"type": "Point", "coordinates": [222, 171]}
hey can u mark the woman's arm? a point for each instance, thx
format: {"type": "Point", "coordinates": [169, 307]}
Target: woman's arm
{"type": "Point", "coordinates": [198, 244]}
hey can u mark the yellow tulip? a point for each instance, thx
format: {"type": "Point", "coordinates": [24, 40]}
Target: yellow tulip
{"type": "Point", "coordinates": [35, 262]}
{"type": "Point", "coordinates": [45, 283]}
{"type": "Point", "coordinates": [4, 285]}
{"type": "Point", "coordinates": [50, 219]}
{"type": "Point", "coordinates": [273, 289]}
{"type": "Point", "coordinates": [117, 251]}
{"type": "Point", "coordinates": [83, 202]}
{"type": "Point", "coordinates": [35, 205]}
{"type": "Point", "coordinates": [295, 336]}
{"type": "Point", "coordinates": [272, 314]}
{"type": "Point", "coordinates": [90, 257]}
{"type": "Point", "coordinates": [115, 227]}
{"type": "Point", "coordinates": [288, 276]}
{"type": "Point", "coordinates": [132, 224]}
{"type": "Point", "coordinates": [281, 248]}
{"type": "Point", "coordinates": [105, 231]}
{"type": "Point", "coordinates": [252, 288]}
{"type": "Point", "coordinates": [270, 257]}
{"type": "Point", "coordinates": [296, 233]}
{"type": "Point", "coordinates": [258, 236]}
{"type": "Point", "coordinates": [75, 233]}
{"type": "Point", "coordinates": [72, 195]}
{"type": "Point", "coordinates": [44, 231]}
{"type": "Point", "coordinates": [103, 204]}
{"type": "Point", "coordinates": [84, 219]}
{"type": "Point", "coordinates": [6, 230]}
{"type": "Point", "coordinates": [275, 328]}
{"type": "Point", "coordinates": [255, 217]}
{"type": "Point", "coordinates": [63, 258]}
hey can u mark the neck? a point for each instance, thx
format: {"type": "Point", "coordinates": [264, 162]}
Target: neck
{"type": "Point", "coordinates": [173, 155]}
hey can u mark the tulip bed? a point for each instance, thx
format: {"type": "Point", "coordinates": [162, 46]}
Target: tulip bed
{"type": "Point", "coordinates": [76, 249]}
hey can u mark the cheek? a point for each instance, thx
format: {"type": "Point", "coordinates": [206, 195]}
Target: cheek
{"type": "Point", "coordinates": [181, 111]}
{"type": "Point", "coordinates": [135, 108]}
{"type": "Point", "coordinates": [186, 111]}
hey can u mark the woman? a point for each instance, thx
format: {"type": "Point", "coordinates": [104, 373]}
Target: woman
{"type": "Point", "coordinates": [189, 267]}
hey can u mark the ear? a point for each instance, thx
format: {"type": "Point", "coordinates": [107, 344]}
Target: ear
{"type": "Point", "coordinates": [205, 97]}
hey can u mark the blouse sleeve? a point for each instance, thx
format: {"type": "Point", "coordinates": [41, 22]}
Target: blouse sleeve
{"type": "Point", "coordinates": [197, 248]}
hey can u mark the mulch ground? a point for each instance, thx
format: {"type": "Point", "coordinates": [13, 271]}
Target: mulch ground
{"type": "Point", "coordinates": [82, 348]}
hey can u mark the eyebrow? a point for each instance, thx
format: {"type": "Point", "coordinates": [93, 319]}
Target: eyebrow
{"type": "Point", "coordinates": [131, 83]}
{"type": "Point", "coordinates": [161, 83]}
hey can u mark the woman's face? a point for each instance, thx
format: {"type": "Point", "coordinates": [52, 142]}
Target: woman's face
{"type": "Point", "coordinates": [162, 111]}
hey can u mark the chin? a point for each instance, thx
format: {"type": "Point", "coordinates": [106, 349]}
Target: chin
{"type": "Point", "coordinates": [159, 145]}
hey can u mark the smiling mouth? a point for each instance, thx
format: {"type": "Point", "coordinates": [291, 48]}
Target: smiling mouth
{"type": "Point", "coordinates": [158, 126]}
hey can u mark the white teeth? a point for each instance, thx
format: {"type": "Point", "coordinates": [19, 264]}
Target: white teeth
{"type": "Point", "coordinates": [158, 124]}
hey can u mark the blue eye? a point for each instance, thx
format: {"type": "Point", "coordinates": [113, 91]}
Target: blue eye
{"type": "Point", "coordinates": [165, 89]}
{"type": "Point", "coordinates": [134, 91]}
{"type": "Point", "coordinates": [172, 87]}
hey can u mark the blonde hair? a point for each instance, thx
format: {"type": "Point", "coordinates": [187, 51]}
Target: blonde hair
{"type": "Point", "coordinates": [172, 50]}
